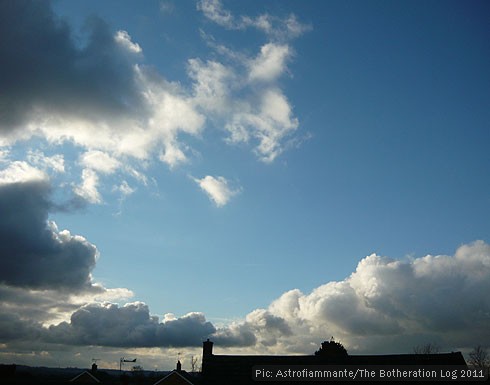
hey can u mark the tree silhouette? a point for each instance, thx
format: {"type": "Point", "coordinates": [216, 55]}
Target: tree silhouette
{"type": "Point", "coordinates": [193, 363]}
{"type": "Point", "coordinates": [429, 348]}
{"type": "Point", "coordinates": [479, 357]}
{"type": "Point", "coordinates": [331, 348]}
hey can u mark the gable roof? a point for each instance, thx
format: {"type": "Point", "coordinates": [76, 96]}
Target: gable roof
{"type": "Point", "coordinates": [84, 376]}
{"type": "Point", "coordinates": [183, 376]}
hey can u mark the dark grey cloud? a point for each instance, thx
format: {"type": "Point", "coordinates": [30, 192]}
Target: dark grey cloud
{"type": "Point", "coordinates": [43, 68]}
{"type": "Point", "coordinates": [33, 253]}
{"type": "Point", "coordinates": [38, 305]}
{"type": "Point", "coordinates": [129, 326]}
{"type": "Point", "coordinates": [236, 335]}
{"type": "Point", "coordinates": [13, 328]}
{"type": "Point", "coordinates": [112, 325]}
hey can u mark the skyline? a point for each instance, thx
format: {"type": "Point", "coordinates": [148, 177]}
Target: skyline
{"type": "Point", "coordinates": [263, 174]}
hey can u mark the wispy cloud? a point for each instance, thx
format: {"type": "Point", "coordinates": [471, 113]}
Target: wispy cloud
{"type": "Point", "coordinates": [274, 27]}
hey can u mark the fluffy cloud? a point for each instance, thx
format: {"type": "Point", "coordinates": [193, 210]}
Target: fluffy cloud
{"type": "Point", "coordinates": [217, 189]}
{"type": "Point", "coordinates": [262, 114]}
{"type": "Point", "coordinates": [44, 73]}
{"type": "Point", "coordinates": [35, 254]}
{"type": "Point", "coordinates": [387, 305]}
{"type": "Point", "coordinates": [213, 83]}
{"type": "Point", "coordinates": [46, 272]}
{"type": "Point", "coordinates": [130, 325]}
{"type": "Point", "coordinates": [99, 161]}
{"type": "Point", "coordinates": [269, 123]}
{"type": "Point", "coordinates": [87, 190]}
{"type": "Point", "coordinates": [55, 163]}
{"type": "Point", "coordinates": [270, 63]}
{"type": "Point", "coordinates": [121, 114]}
{"type": "Point", "coordinates": [243, 95]}
{"type": "Point", "coordinates": [95, 95]}
{"type": "Point", "coordinates": [13, 328]}
{"type": "Point", "coordinates": [21, 172]}
{"type": "Point", "coordinates": [123, 38]}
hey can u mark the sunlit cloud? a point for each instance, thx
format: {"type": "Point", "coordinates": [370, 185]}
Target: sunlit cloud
{"type": "Point", "coordinates": [123, 38]}
{"type": "Point", "coordinates": [217, 189]}
{"type": "Point", "coordinates": [389, 305]}
{"type": "Point", "coordinates": [21, 172]}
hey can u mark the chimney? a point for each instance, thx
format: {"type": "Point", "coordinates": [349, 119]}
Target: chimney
{"type": "Point", "coordinates": [94, 368]}
{"type": "Point", "coordinates": [207, 348]}
{"type": "Point", "coordinates": [179, 366]}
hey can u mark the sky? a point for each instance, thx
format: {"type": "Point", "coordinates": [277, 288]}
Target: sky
{"type": "Point", "coordinates": [266, 174]}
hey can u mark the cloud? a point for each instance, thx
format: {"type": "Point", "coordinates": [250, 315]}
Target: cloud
{"type": "Point", "coordinates": [14, 328]}
{"type": "Point", "coordinates": [235, 335]}
{"type": "Point", "coordinates": [385, 306]}
{"type": "Point", "coordinates": [94, 94]}
{"type": "Point", "coordinates": [243, 95]}
{"type": "Point", "coordinates": [167, 7]}
{"type": "Point", "coordinates": [55, 162]}
{"type": "Point", "coordinates": [274, 27]}
{"type": "Point", "coordinates": [269, 123]}
{"type": "Point", "coordinates": [389, 305]}
{"type": "Point", "coordinates": [100, 161]}
{"type": "Point", "coordinates": [21, 172]}
{"type": "Point", "coordinates": [217, 189]}
{"type": "Point", "coordinates": [45, 73]}
{"type": "Point", "coordinates": [214, 11]}
{"type": "Point", "coordinates": [270, 63]}
{"type": "Point", "coordinates": [46, 272]}
{"type": "Point", "coordinates": [248, 103]}
{"type": "Point", "coordinates": [213, 83]}
{"type": "Point", "coordinates": [130, 326]}
{"type": "Point", "coordinates": [123, 38]}
{"type": "Point", "coordinates": [35, 254]}
{"type": "Point", "coordinates": [124, 188]}
{"type": "Point", "coordinates": [87, 190]}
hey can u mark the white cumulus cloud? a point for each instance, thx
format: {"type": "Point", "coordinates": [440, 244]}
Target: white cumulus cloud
{"type": "Point", "coordinates": [270, 63]}
{"type": "Point", "coordinates": [123, 38]}
{"type": "Point", "coordinates": [119, 114]}
{"type": "Point", "coordinates": [217, 189]}
{"type": "Point", "coordinates": [385, 306]}
{"type": "Point", "coordinates": [87, 189]}
{"type": "Point", "coordinates": [21, 172]}
{"type": "Point", "coordinates": [100, 161]}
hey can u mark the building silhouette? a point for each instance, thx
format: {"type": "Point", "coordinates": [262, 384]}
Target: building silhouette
{"type": "Point", "coordinates": [237, 369]}
{"type": "Point", "coordinates": [178, 377]}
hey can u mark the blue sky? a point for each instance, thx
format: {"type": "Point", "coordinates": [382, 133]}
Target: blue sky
{"type": "Point", "coordinates": [216, 156]}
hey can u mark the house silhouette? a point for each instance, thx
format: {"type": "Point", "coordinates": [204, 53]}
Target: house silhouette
{"type": "Point", "coordinates": [238, 369]}
{"type": "Point", "coordinates": [178, 377]}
